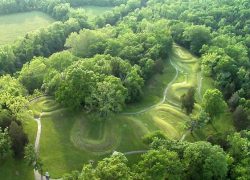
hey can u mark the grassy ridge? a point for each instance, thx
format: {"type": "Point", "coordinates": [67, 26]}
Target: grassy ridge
{"type": "Point", "coordinates": [17, 25]}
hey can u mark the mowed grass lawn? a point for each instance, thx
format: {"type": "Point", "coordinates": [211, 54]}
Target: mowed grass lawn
{"type": "Point", "coordinates": [11, 169]}
{"type": "Point", "coordinates": [18, 25]}
{"type": "Point", "coordinates": [70, 139]}
{"type": "Point", "coordinates": [154, 88]}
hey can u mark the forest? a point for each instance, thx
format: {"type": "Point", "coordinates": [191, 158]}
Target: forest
{"type": "Point", "coordinates": [149, 89]}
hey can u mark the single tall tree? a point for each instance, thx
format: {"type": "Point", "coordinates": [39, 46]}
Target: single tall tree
{"type": "Point", "coordinates": [188, 100]}
{"type": "Point", "coordinates": [213, 103]}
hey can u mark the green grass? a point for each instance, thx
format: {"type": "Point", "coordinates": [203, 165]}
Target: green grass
{"type": "Point", "coordinates": [70, 139]}
{"type": "Point", "coordinates": [94, 11]}
{"type": "Point", "coordinates": [17, 25]}
{"type": "Point", "coordinates": [30, 127]}
{"type": "Point", "coordinates": [154, 88]}
{"type": "Point", "coordinates": [11, 169]}
{"type": "Point", "coordinates": [207, 83]}
{"type": "Point", "coordinates": [223, 123]}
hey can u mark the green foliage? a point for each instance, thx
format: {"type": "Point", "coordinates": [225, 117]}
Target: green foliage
{"type": "Point", "coordinates": [239, 148]}
{"type": "Point", "coordinates": [112, 82]}
{"type": "Point", "coordinates": [87, 43]}
{"type": "Point", "coordinates": [114, 167]}
{"type": "Point", "coordinates": [5, 144]}
{"type": "Point", "coordinates": [80, 83]}
{"type": "Point", "coordinates": [32, 158]}
{"type": "Point", "coordinates": [32, 74]}
{"type": "Point", "coordinates": [52, 38]}
{"type": "Point", "coordinates": [204, 161]}
{"type": "Point", "coordinates": [160, 164]}
{"type": "Point", "coordinates": [149, 138]}
{"type": "Point", "coordinates": [213, 103]}
{"type": "Point", "coordinates": [240, 118]}
{"type": "Point", "coordinates": [12, 96]}
{"type": "Point", "coordinates": [55, 66]}
{"type": "Point", "coordinates": [30, 154]}
{"type": "Point", "coordinates": [18, 138]}
{"type": "Point", "coordinates": [131, 52]}
{"type": "Point", "coordinates": [108, 96]}
{"type": "Point", "coordinates": [73, 176]}
{"type": "Point", "coordinates": [11, 86]}
{"type": "Point", "coordinates": [197, 36]}
{"type": "Point", "coordinates": [188, 100]}
{"type": "Point", "coordinates": [88, 172]}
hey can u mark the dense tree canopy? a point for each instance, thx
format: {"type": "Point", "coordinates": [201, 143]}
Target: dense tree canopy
{"type": "Point", "coordinates": [100, 65]}
{"type": "Point", "coordinates": [170, 159]}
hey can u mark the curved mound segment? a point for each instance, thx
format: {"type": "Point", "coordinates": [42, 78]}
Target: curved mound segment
{"type": "Point", "coordinates": [43, 104]}
{"type": "Point", "coordinates": [170, 120]}
{"type": "Point", "coordinates": [101, 137]}
{"type": "Point", "coordinates": [176, 91]}
{"type": "Point", "coordinates": [183, 53]}
{"type": "Point", "coordinates": [189, 74]}
{"type": "Point", "coordinates": [96, 137]}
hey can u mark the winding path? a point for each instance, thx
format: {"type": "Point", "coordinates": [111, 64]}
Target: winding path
{"type": "Point", "coordinates": [135, 152]}
{"type": "Point", "coordinates": [166, 99]}
{"type": "Point", "coordinates": [163, 100]}
{"type": "Point", "coordinates": [37, 142]}
{"type": "Point", "coordinates": [38, 134]}
{"type": "Point", "coordinates": [37, 175]}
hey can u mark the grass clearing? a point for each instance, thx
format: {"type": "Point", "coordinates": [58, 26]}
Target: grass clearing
{"type": "Point", "coordinates": [207, 83]}
{"type": "Point", "coordinates": [18, 25]}
{"type": "Point", "coordinates": [70, 139]}
{"type": "Point", "coordinates": [153, 89]}
{"type": "Point", "coordinates": [12, 169]}
{"type": "Point", "coordinates": [94, 11]}
{"type": "Point", "coordinates": [30, 127]}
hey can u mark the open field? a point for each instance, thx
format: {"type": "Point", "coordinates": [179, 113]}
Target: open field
{"type": "Point", "coordinates": [17, 25]}
{"type": "Point", "coordinates": [76, 139]}
{"type": "Point", "coordinates": [93, 11]}
{"type": "Point", "coordinates": [70, 139]}
{"type": "Point", "coordinates": [15, 170]}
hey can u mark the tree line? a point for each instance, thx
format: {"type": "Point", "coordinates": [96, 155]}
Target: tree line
{"type": "Point", "coordinates": [52, 39]}
{"type": "Point", "coordinates": [14, 6]}
{"type": "Point", "coordinates": [100, 70]}
{"type": "Point", "coordinates": [170, 159]}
